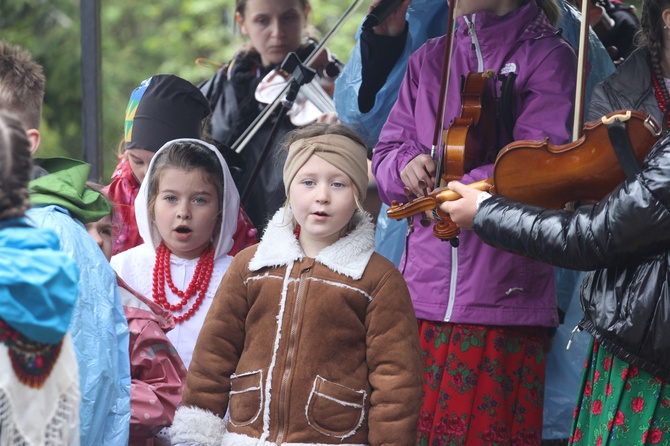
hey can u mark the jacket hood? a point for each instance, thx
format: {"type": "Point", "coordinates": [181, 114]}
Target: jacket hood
{"type": "Point", "coordinates": [38, 282]}
{"type": "Point", "coordinates": [349, 255]}
{"type": "Point", "coordinates": [230, 205]}
{"type": "Point", "coordinates": [64, 185]}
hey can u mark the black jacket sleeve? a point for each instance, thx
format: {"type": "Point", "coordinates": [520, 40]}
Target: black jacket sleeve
{"type": "Point", "coordinates": [631, 222]}
{"type": "Point", "coordinates": [379, 54]}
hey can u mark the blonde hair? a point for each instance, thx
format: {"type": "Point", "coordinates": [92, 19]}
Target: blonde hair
{"type": "Point", "coordinates": [551, 10]}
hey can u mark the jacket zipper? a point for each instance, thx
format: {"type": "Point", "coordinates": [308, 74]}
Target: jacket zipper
{"type": "Point", "coordinates": [454, 251]}
{"type": "Point", "coordinates": [289, 355]}
{"type": "Point", "coordinates": [475, 41]}
{"type": "Point", "coordinates": [452, 283]}
{"type": "Point", "coordinates": [575, 330]}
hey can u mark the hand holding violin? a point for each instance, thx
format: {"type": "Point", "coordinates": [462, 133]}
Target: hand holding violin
{"type": "Point", "coordinates": [462, 211]}
{"type": "Point", "coordinates": [418, 173]}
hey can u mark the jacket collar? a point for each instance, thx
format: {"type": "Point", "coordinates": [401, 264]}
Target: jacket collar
{"type": "Point", "coordinates": [524, 23]}
{"type": "Point", "coordinates": [635, 67]}
{"type": "Point", "coordinates": [348, 256]}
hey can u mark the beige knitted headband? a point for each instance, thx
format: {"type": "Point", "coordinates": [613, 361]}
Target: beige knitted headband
{"type": "Point", "coordinates": [340, 151]}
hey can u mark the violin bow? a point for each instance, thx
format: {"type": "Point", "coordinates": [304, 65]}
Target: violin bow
{"type": "Point", "coordinates": [580, 95]}
{"type": "Point", "coordinates": [244, 139]}
{"type": "Point", "coordinates": [437, 149]}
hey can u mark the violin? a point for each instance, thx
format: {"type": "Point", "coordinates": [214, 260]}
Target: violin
{"type": "Point", "coordinates": [244, 139]}
{"type": "Point", "coordinates": [315, 97]}
{"type": "Point", "coordinates": [541, 174]}
{"type": "Point", "coordinates": [450, 145]}
{"type": "Point", "coordinates": [459, 136]}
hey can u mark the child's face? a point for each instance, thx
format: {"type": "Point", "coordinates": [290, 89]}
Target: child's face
{"type": "Point", "coordinates": [186, 211]}
{"type": "Point", "coordinates": [275, 27]}
{"type": "Point", "coordinates": [322, 199]}
{"type": "Point", "coordinates": [101, 231]}
{"type": "Point", "coordinates": [139, 160]}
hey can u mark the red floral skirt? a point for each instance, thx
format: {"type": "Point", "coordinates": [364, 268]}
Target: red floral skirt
{"type": "Point", "coordinates": [482, 385]}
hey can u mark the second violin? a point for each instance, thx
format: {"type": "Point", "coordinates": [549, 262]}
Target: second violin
{"type": "Point", "coordinates": [538, 173]}
{"type": "Point", "coordinates": [239, 121]}
{"type": "Point", "coordinates": [314, 97]}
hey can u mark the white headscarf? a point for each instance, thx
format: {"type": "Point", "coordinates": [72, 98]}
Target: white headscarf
{"type": "Point", "coordinates": [230, 205]}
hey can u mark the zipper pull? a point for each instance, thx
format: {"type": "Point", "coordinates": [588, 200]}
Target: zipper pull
{"type": "Point", "coordinates": [577, 329]}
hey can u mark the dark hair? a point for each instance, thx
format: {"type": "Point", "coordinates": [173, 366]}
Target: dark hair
{"type": "Point", "coordinates": [241, 5]}
{"type": "Point", "coordinates": [652, 26]}
{"type": "Point", "coordinates": [21, 85]}
{"type": "Point", "coordinates": [15, 167]}
{"type": "Point", "coordinates": [651, 36]}
{"type": "Point", "coordinates": [188, 156]}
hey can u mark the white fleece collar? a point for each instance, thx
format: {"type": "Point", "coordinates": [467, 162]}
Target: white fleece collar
{"type": "Point", "coordinates": [349, 255]}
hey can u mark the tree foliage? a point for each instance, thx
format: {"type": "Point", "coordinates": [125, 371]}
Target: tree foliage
{"type": "Point", "coordinates": [138, 39]}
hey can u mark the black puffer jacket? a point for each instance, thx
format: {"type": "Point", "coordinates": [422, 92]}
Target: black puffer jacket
{"type": "Point", "coordinates": [624, 239]}
{"type": "Point", "coordinates": [231, 95]}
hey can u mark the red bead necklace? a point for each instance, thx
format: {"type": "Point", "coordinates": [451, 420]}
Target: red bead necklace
{"type": "Point", "coordinates": [199, 283]}
{"type": "Point", "coordinates": [661, 98]}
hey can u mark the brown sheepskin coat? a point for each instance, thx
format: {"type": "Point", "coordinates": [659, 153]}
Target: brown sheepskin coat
{"type": "Point", "coordinates": [306, 351]}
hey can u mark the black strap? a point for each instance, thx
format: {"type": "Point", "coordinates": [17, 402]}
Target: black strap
{"type": "Point", "coordinates": [623, 148]}
{"type": "Point", "coordinates": [506, 101]}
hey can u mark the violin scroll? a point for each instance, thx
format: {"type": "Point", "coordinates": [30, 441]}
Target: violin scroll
{"type": "Point", "coordinates": [444, 228]}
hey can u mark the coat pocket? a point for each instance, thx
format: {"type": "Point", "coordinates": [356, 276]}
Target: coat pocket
{"type": "Point", "coordinates": [335, 410]}
{"type": "Point", "coordinates": [246, 398]}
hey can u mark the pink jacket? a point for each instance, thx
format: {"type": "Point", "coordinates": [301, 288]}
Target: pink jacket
{"type": "Point", "coordinates": [156, 370]}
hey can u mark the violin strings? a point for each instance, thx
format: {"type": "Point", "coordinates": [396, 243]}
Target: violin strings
{"type": "Point", "coordinates": [315, 93]}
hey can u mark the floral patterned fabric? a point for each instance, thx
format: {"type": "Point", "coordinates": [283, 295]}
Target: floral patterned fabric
{"type": "Point", "coordinates": [32, 361]}
{"type": "Point", "coordinates": [620, 404]}
{"type": "Point", "coordinates": [482, 385]}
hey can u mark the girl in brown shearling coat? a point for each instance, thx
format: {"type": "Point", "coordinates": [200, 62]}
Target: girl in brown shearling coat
{"type": "Point", "coordinates": [311, 338]}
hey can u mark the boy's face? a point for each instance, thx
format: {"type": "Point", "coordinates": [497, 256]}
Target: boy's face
{"type": "Point", "coordinates": [101, 231]}
{"type": "Point", "coordinates": [139, 160]}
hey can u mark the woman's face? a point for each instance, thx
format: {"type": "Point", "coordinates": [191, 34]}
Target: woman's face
{"type": "Point", "coordinates": [275, 27]}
